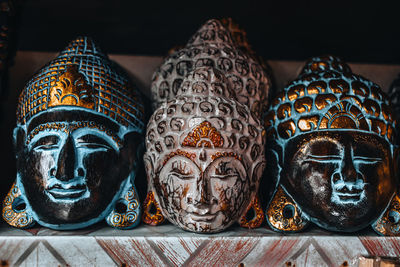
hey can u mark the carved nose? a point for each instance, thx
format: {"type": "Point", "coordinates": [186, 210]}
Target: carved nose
{"type": "Point", "coordinates": [202, 196]}
{"type": "Point", "coordinates": [348, 170]}
{"type": "Point", "coordinates": [66, 161]}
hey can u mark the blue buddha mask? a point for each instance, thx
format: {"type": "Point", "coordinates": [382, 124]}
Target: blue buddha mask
{"type": "Point", "coordinates": [77, 141]}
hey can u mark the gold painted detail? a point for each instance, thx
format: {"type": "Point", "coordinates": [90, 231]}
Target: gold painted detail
{"type": "Point", "coordinates": [328, 111]}
{"type": "Point", "coordinates": [389, 223]}
{"type": "Point", "coordinates": [225, 154]}
{"type": "Point", "coordinates": [204, 135]}
{"type": "Point", "coordinates": [129, 217]}
{"type": "Point", "coordinates": [179, 152]}
{"type": "Point", "coordinates": [152, 218]}
{"type": "Point", "coordinates": [82, 76]}
{"type": "Point", "coordinates": [325, 63]}
{"type": "Point", "coordinates": [71, 89]}
{"type": "Point", "coordinates": [258, 218]}
{"type": "Point", "coordinates": [283, 214]}
{"type": "Point", "coordinates": [327, 95]}
{"type": "Point", "coordinates": [344, 115]}
{"type": "Point", "coordinates": [11, 214]}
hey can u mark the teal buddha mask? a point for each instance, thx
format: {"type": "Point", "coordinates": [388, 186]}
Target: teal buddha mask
{"type": "Point", "coordinates": [77, 139]}
{"type": "Point", "coordinates": [331, 152]}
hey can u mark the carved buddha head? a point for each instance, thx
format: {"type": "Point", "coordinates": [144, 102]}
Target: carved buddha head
{"type": "Point", "coordinates": [220, 44]}
{"type": "Point", "coordinates": [331, 145]}
{"type": "Point", "coordinates": [79, 122]}
{"type": "Point", "coordinates": [204, 155]}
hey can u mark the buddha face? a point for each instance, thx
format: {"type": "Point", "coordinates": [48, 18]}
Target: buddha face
{"type": "Point", "coordinates": [203, 190]}
{"type": "Point", "coordinates": [342, 179]}
{"type": "Point", "coordinates": [71, 171]}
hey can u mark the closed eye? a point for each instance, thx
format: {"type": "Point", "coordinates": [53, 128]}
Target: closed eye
{"type": "Point", "coordinates": [46, 147]}
{"type": "Point", "coordinates": [323, 159]}
{"type": "Point", "coordinates": [181, 176]}
{"type": "Point", "coordinates": [95, 146]}
{"type": "Point", "coordinates": [367, 160]}
{"type": "Point", "coordinates": [46, 143]}
{"type": "Point", "coordinates": [227, 176]}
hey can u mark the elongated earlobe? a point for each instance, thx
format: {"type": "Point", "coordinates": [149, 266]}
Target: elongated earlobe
{"type": "Point", "coordinates": [389, 223]}
{"type": "Point", "coordinates": [258, 217]}
{"type": "Point", "coordinates": [284, 215]}
{"type": "Point", "coordinates": [15, 211]}
{"type": "Point", "coordinates": [152, 213]}
{"type": "Point", "coordinates": [126, 213]}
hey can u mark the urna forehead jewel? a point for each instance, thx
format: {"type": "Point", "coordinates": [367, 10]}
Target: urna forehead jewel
{"type": "Point", "coordinates": [77, 112]}
{"type": "Point", "coordinates": [203, 134]}
{"type": "Point", "coordinates": [327, 121]}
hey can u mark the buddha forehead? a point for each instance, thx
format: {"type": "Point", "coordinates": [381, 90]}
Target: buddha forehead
{"type": "Point", "coordinates": [338, 142]}
{"type": "Point", "coordinates": [63, 129]}
{"type": "Point", "coordinates": [200, 157]}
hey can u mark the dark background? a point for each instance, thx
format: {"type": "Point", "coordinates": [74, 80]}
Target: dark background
{"type": "Point", "coordinates": [365, 31]}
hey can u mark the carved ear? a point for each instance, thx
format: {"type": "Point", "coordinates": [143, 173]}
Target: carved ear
{"type": "Point", "coordinates": [15, 211]}
{"type": "Point", "coordinates": [152, 214]}
{"type": "Point", "coordinates": [389, 222]}
{"type": "Point", "coordinates": [131, 148]}
{"type": "Point", "coordinates": [271, 175]}
{"type": "Point", "coordinates": [284, 215]}
{"type": "Point", "coordinates": [396, 158]}
{"type": "Point", "coordinates": [19, 138]}
{"type": "Point", "coordinates": [126, 213]}
{"type": "Point", "coordinates": [148, 166]}
{"type": "Point", "coordinates": [258, 172]}
{"type": "Point", "coordinates": [258, 215]}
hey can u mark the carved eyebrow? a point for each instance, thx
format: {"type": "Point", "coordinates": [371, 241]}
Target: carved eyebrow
{"type": "Point", "coordinates": [181, 167]}
{"type": "Point", "coordinates": [329, 156]}
{"type": "Point", "coordinates": [218, 155]}
{"type": "Point", "coordinates": [188, 155]}
{"type": "Point", "coordinates": [224, 168]}
{"type": "Point", "coordinates": [91, 138]}
{"type": "Point", "coordinates": [60, 127]}
{"type": "Point", "coordinates": [324, 147]}
{"type": "Point", "coordinates": [323, 158]}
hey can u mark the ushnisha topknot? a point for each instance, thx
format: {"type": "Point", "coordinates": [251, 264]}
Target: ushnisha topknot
{"type": "Point", "coordinates": [325, 63]}
{"type": "Point", "coordinates": [219, 44]}
{"type": "Point", "coordinates": [327, 95]}
{"type": "Point", "coordinates": [82, 76]}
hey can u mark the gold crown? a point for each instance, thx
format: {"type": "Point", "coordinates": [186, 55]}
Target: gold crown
{"type": "Point", "coordinates": [328, 96]}
{"type": "Point", "coordinates": [82, 76]}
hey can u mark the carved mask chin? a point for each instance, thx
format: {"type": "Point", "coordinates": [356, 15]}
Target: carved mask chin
{"type": "Point", "coordinates": [76, 145]}
{"type": "Point", "coordinates": [331, 133]}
